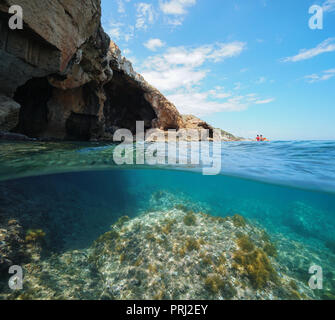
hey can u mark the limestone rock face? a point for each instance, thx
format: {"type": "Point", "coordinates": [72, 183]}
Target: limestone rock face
{"type": "Point", "coordinates": [9, 113]}
{"type": "Point", "coordinates": [192, 122]}
{"type": "Point", "coordinates": [56, 67]}
{"type": "Point", "coordinates": [70, 80]}
{"type": "Point", "coordinates": [163, 114]}
{"type": "Point", "coordinates": [52, 34]}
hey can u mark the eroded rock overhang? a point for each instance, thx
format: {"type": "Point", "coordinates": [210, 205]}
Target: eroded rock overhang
{"type": "Point", "coordinates": [70, 80]}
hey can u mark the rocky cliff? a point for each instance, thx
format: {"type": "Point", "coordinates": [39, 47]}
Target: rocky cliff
{"type": "Point", "coordinates": [192, 122]}
{"type": "Point", "coordinates": [61, 77]}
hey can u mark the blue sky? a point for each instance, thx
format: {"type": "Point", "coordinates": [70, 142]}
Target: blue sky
{"type": "Point", "coordinates": [247, 66]}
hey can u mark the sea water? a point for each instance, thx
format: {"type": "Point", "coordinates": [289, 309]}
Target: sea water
{"type": "Point", "coordinates": [73, 193]}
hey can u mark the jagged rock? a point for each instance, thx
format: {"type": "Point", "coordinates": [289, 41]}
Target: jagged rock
{"type": "Point", "coordinates": [59, 59]}
{"type": "Point", "coordinates": [52, 34]}
{"type": "Point", "coordinates": [152, 106]}
{"type": "Point", "coordinates": [71, 81]}
{"type": "Point", "coordinates": [12, 249]}
{"type": "Point", "coordinates": [226, 136]}
{"type": "Point", "coordinates": [192, 122]}
{"type": "Point", "coordinates": [9, 113]}
{"type": "Point", "coordinates": [14, 136]}
{"type": "Point", "coordinates": [173, 255]}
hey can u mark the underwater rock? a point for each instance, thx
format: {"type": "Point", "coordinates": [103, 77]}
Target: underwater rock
{"type": "Point", "coordinates": [12, 245]}
{"type": "Point", "coordinates": [58, 277]}
{"type": "Point", "coordinates": [163, 200]}
{"type": "Point", "coordinates": [171, 254]}
{"type": "Point", "coordinates": [307, 254]}
{"type": "Point", "coordinates": [159, 256]}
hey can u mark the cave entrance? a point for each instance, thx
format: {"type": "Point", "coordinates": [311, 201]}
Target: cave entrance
{"type": "Point", "coordinates": [126, 104]}
{"type": "Point", "coordinates": [81, 126]}
{"type": "Point", "coordinates": [33, 97]}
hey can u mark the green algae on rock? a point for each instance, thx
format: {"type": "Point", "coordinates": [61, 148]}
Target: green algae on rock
{"type": "Point", "coordinates": [156, 255]}
{"type": "Point", "coordinates": [158, 258]}
{"type": "Point", "coordinates": [190, 219]}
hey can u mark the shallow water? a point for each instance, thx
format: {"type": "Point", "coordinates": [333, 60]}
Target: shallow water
{"type": "Point", "coordinates": [305, 164]}
{"type": "Point", "coordinates": [74, 192]}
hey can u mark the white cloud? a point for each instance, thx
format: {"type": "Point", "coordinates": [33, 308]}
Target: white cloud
{"type": "Point", "coordinates": [195, 57]}
{"type": "Point", "coordinates": [251, 97]}
{"type": "Point", "coordinates": [200, 103]}
{"type": "Point", "coordinates": [182, 56]}
{"type": "Point", "coordinates": [171, 12]}
{"type": "Point", "coordinates": [175, 10]}
{"type": "Point", "coordinates": [325, 75]}
{"type": "Point", "coordinates": [128, 35]}
{"type": "Point", "coordinates": [180, 67]}
{"type": "Point", "coordinates": [179, 71]}
{"type": "Point", "coordinates": [154, 44]}
{"type": "Point", "coordinates": [176, 7]}
{"type": "Point", "coordinates": [145, 15]}
{"type": "Point", "coordinates": [327, 45]}
{"type": "Point", "coordinates": [119, 31]}
{"type": "Point", "coordinates": [227, 50]}
{"type": "Point", "coordinates": [114, 33]}
{"type": "Point", "coordinates": [174, 78]}
{"type": "Point", "coordinates": [217, 93]}
{"type": "Point", "coordinates": [114, 30]}
{"type": "Point", "coordinates": [120, 6]}
{"type": "Point", "coordinates": [174, 22]}
{"type": "Point", "coordinates": [265, 101]}
{"type": "Point", "coordinates": [329, 5]}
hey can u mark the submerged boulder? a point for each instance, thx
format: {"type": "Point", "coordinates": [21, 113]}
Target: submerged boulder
{"type": "Point", "coordinates": [12, 245]}
{"type": "Point", "coordinates": [175, 254]}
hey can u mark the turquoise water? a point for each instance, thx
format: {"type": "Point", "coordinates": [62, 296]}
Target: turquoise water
{"type": "Point", "coordinates": [75, 192]}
